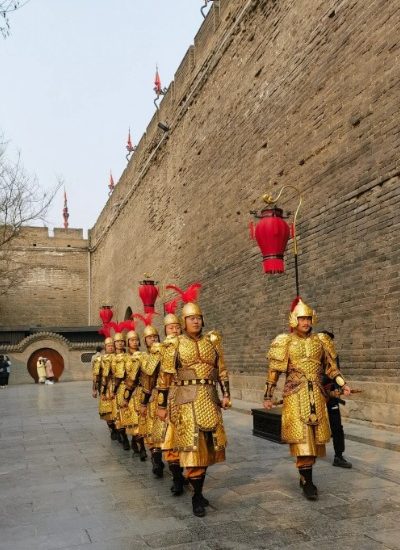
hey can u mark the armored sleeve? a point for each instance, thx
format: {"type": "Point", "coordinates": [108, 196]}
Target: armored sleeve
{"type": "Point", "coordinates": [331, 365]}
{"type": "Point", "coordinates": [223, 376]}
{"type": "Point", "coordinates": [278, 358]}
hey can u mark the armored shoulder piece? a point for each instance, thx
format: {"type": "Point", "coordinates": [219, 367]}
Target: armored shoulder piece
{"type": "Point", "coordinates": [151, 361]}
{"type": "Point", "coordinates": [214, 336]}
{"type": "Point", "coordinates": [329, 346]}
{"type": "Point", "coordinates": [278, 353]}
{"type": "Point", "coordinates": [168, 356]}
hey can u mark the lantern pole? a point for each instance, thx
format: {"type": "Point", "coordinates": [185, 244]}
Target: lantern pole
{"type": "Point", "coordinates": [268, 199]}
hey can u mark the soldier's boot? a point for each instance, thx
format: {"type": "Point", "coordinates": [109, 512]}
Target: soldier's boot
{"type": "Point", "coordinates": [120, 436]}
{"type": "Point", "coordinates": [197, 498]}
{"type": "Point", "coordinates": [142, 452]}
{"type": "Point", "coordinates": [177, 477]}
{"type": "Point", "coordinates": [113, 431]}
{"type": "Point", "coordinates": [158, 464]}
{"type": "Point", "coordinates": [309, 489]}
{"type": "Point", "coordinates": [135, 447]}
{"type": "Point", "coordinates": [125, 441]}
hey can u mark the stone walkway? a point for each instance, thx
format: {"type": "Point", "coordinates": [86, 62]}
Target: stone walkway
{"type": "Point", "coordinates": [65, 484]}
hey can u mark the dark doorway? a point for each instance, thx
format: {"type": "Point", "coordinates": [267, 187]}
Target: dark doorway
{"type": "Point", "coordinates": [128, 314]}
{"type": "Point", "coordinates": [56, 360]}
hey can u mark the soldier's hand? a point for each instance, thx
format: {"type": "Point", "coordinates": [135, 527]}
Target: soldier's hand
{"type": "Point", "coordinates": [94, 394]}
{"type": "Point", "coordinates": [124, 404]}
{"type": "Point", "coordinates": [143, 410]}
{"type": "Point", "coordinates": [268, 404]}
{"type": "Point", "coordinates": [162, 413]}
{"type": "Point", "coordinates": [226, 403]}
{"type": "Point", "coordinates": [346, 390]}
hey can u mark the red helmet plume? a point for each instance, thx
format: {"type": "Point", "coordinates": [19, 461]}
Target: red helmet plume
{"type": "Point", "coordinates": [171, 306]}
{"type": "Point", "coordinates": [105, 331]}
{"type": "Point", "coordinates": [188, 295]}
{"type": "Point", "coordinates": [295, 302]}
{"type": "Point", "coordinates": [146, 319]}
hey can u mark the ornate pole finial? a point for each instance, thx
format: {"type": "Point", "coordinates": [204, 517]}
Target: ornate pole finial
{"type": "Point", "coordinates": [65, 211]}
{"type": "Point", "coordinates": [159, 90]}
{"type": "Point", "coordinates": [129, 147]}
{"type": "Point", "coordinates": [111, 185]}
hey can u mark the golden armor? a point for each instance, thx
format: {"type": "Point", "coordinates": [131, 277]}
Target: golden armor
{"type": "Point", "coordinates": [193, 368]}
{"type": "Point", "coordinates": [304, 359]}
{"type": "Point", "coordinates": [106, 386]}
{"type": "Point", "coordinates": [302, 310]}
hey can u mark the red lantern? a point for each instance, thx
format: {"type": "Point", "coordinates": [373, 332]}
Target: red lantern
{"type": "Point", "coordinates": [272, 234]}
{"type": "Point", "coordinates": [106, 314]}
{"type": "Point", "coordinates": [148, 293]}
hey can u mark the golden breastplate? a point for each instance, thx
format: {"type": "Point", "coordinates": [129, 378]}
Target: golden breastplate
{"type": "Point", "coordinates": [305, 356]}
{"type": "Point", "coordinates": [196, 358]}
{"type": "Point", "coordinates": [106, 361]}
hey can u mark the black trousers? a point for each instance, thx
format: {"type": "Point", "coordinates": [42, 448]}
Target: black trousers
{"type": "Point", "coordinates": [4, 378]}
{"type": "Point", "coordinates": [335, 421]}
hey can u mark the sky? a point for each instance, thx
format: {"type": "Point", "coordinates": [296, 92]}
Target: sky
{"type": "Point", "coordinates": [75, 75]}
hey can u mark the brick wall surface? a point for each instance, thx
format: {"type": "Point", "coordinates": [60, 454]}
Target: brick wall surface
{"type": "Point", "coordinates": [292, 92]}
{"type": "Point", "coordinates": [54, 288]}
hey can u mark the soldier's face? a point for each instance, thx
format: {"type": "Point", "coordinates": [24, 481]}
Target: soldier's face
{"type": "Point", "coordinates": [150, 340]}
{"type": "Point", "coordinates": [193, 324]}
{"type": "Point", "coordinates": [173, 329]}
{"type": "Point", "coordinates": [119, 345]}
{"type": "Point", "coordinates": [304, 325]}
{"type": "Point", "coordinates": [109, 348]}
{"type": "Point", "coordinates": [133, 343]}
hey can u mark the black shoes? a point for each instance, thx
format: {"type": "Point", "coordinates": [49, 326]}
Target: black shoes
{"type": "Point", "coordinates": [341, 462]}
{"type": "Point", "coordinates": [125, 443]}
{"type": "Point", "coordinates": [114, 434]}
{"type": "Point", "coordinates": [135, 447]}
{"type": "Point", "coordinates": [178, 479]}
{"type": "Point", "coordinates": [309, 489]}
{"type": "Point", "coordinates": [198, 501]}
{"type": "Point", "coordinates": [158, 464]}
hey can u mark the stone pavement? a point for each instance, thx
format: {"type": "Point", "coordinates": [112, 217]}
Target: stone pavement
{"type": "Point", "coordinates": [65, 485]}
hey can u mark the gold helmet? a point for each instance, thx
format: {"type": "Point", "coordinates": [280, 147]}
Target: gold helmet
{"type": "Point", "coordinates": [149, 330]}
{"type": "Point", "coordinates": [108, 340]}
{"type": "Point", "coordinates": [189, 297]}
{"type": "Point", "coordinates": [118, 336]}
{"type": "Point", "coordinates": [170, 308]}
{"type": "Point", "coordinates": [301, 309]}
{"type": "Point", "coordinates": [132, 334]}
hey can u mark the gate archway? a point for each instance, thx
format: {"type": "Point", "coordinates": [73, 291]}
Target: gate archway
{"type": "Point", "coordinates": [56, 360]}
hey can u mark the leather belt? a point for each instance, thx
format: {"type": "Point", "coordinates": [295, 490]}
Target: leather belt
{"type": "Point", "coordinates": [195, 382]}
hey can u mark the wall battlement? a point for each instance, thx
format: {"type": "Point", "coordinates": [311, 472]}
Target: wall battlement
{"type": "Point", "coordinates": [41, 237]}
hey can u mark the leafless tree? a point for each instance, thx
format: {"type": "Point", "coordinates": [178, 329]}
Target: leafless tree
{"type": "Point", "coordinates": [7, 7]}
{"type": "Point", "coordinates": [22, 202]}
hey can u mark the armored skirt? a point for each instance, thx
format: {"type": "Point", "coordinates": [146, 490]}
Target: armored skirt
{"type": "Point", "coordinates": [196, 427]}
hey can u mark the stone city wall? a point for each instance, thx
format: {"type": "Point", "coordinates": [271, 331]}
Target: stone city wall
{"type": "Point", "coordinates": [272, 93]}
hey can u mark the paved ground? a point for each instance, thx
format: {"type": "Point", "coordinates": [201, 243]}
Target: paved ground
{"type": "Point", "coordinates": [65, 484]}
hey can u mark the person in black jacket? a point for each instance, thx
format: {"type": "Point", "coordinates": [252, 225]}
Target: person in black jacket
{"type": "Point", "coordinates": [335, 419]}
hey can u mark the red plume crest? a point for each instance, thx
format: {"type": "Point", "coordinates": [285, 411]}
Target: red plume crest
{"type": "Point", "coordinates": [105, 331]}
{"type": "Point", "coordinates": [295, 302]}
{"type": "Point", "coordinates": [188, 295]}
{"type": "Point", "coordinates": [123, 325]}
{"type": "Point", "coordinates": [146, 319]}
{"type": "Point", "coordinates": [170, 307]}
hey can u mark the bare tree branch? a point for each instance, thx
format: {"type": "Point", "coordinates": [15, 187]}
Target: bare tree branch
{"type": "Point", "coordinates": [22, 202]}
{"type": "Point", "coordinates": [7, 7]}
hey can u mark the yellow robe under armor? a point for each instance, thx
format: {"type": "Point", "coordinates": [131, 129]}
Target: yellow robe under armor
{"type": "Point", "coordinates": [105, 398]}
{"type": "Point", "coordinates": [194, 411]}
{"type": "Point", "coordinates": [304, 360]}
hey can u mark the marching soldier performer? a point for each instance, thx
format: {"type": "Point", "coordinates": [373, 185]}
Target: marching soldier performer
{"type": "Point", "coordinates": [153, 427]}
{"type": "Point", "coordinates": [133, 395]}
{"type": "Point", "coordinates": [102, 381]}
{"type": "Point", "coordinates": [304, 358]}
{"type": "Point", "coordinates": [121, 366]}
{"type": "Point", "coordinates": [195, 364]}
{"type": "Point", "coordinates": [172, 327]}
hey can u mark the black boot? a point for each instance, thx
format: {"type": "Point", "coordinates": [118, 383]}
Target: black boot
{"type": "Point", "coordinates": [125, 441]}
{"type": "Point", "coordinates": [158, 464]}
{"type": "Point", "coordinates": [120, 437]}
{"type": "Point", "coordinates": [309, 489]}
{"type": "Point", "coordinates": [197, 498]}
{"type": "Point", "coordinates": [113, 431]}
{"type": "Point", "coordinates": [135, 447]}
{"type": "Point", "coordinates": [142, 452]}
{"type": "Point", "coordinates": [178, 479]}
{"type": "Point", "coordinates": [341, 462]}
